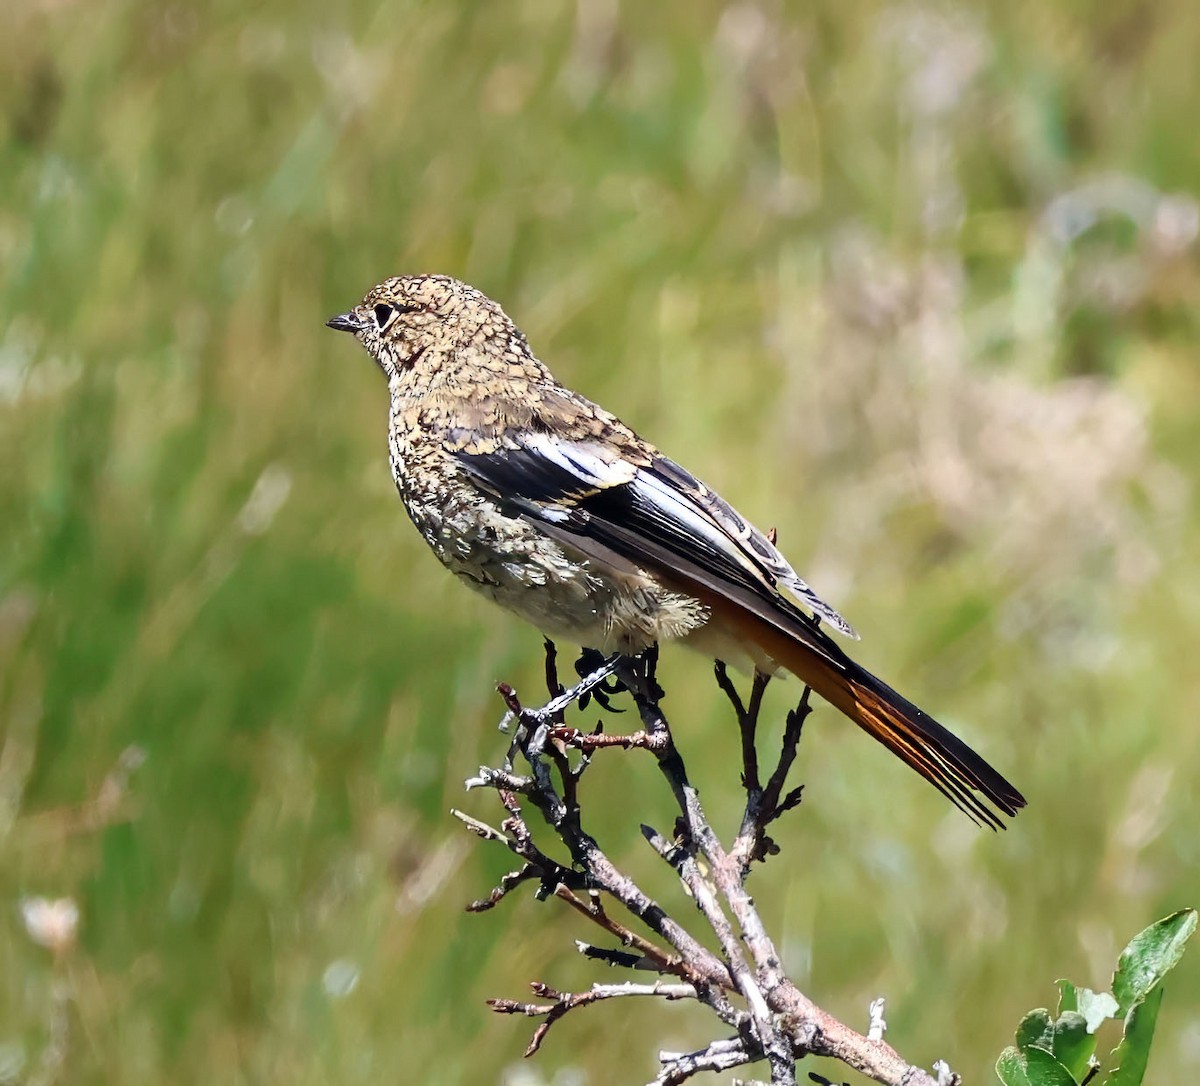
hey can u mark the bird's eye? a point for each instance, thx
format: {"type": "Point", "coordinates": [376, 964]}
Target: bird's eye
{"type": "Point", "coordinates": [386, 312]}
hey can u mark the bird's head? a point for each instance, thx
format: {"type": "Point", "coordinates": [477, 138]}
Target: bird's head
{"type": "Point", "coordinates": [417, 325]}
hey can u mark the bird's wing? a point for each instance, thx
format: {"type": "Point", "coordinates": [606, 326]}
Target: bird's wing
{"type": "Point", "coordinates": [653, 513]}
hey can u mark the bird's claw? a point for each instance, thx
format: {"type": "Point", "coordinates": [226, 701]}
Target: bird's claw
{"type": "Point", "coordinates": [591, 661]}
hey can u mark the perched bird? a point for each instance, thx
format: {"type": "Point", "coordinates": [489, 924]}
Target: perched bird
{"type": "Point", "coordinates": [559, 512]}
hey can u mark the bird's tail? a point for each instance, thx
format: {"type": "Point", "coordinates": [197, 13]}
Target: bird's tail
{"type": "Point", "coordinates": [943, 759]}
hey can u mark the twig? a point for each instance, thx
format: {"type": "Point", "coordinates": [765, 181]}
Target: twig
{"type": "Point", "coordinates": [878, 1024]}
{"type": "Point", "coordinates": [593, 741]}
{"type": "Point", "coordinates": [593, 909]}
{"type": "Point", "coordinates": [747, 718]}
{"type": "Point", "coordinates": [704, 968]}
{"type": "Point", "coordinates": [563, 1004]}
{"type": "Point", "coordinates": [777, 1050]}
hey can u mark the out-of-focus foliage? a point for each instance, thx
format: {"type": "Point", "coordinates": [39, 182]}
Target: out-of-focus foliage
{"type": "Point", "coordinates": [914, 283]}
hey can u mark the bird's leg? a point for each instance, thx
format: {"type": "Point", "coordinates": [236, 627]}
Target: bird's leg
{"type": "Point", "coordinates": [534, 726]}
{"type": "Point", "coordinates": [637, 674]}
{"type": "Point", "coordinates": [589, 683]}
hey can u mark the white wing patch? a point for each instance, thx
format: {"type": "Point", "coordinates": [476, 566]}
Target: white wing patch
{"type": "Point", "coordinates": [594, 465]}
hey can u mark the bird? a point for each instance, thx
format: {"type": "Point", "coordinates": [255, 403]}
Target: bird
{"type": "Point", "coordinates": [559, 512]}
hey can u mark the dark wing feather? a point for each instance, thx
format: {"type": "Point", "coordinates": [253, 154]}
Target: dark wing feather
{"type": "Point", "coordinates": [657, 505]}
{"type": "Point", "coordinates": [529, 480]}
{"type": "Point", "coordinates": [749, 539]}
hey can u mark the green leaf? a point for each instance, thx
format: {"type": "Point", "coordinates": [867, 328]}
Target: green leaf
{"type": "Point", "coordinates": [1067, 1039]}
{"type": "Point", "coordinates": [1044, 1070]}
{"type": "Point", "coordinates": [1011, 1069]}
{"type": "Point", "coordinates": [1130, 1057]}
{"type": "Point", "coordinates": [1073, 1043]}
{"type": "Point", "coordinates": [1035, 1029]}
{"type": "Point", "coordinates": [1061, 1051]}
{"type": "Point", "coordinates": [1047, 1051]}
{"type": "Point", "coordinates": [1150, 955]}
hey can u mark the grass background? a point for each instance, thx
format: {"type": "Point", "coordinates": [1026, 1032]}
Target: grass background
{"type": "Point", "coordinates": [916, 283]}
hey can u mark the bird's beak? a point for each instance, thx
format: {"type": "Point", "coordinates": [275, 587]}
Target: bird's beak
{"type": "Point", "coordinates": [346, 322]}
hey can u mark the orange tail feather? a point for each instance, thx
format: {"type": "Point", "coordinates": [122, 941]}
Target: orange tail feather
{"type": "Point", "coordinates": [943, 759]}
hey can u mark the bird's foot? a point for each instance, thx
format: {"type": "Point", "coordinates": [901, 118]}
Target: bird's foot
{"type": "Point", "coordinates": [593, 683]}
{"type": "Point", "coordinates": [601, 677]}
{"type": "Point", "coordinates": [590, 663]}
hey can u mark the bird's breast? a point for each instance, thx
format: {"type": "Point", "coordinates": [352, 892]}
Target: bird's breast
{"type": "Point", "coordinates": [507, 558]}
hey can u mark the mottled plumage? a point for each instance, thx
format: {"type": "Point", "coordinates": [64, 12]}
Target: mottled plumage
{"type": "Point", "coordinates": [559, 512]}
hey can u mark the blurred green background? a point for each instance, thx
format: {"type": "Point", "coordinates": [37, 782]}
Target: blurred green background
{"type": "Point", "coordinates": [915, 283]}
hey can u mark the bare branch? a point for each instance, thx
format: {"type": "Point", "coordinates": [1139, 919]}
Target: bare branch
{"type": "Point", "coordinates": [719, 1056]}
{"type": "Point", "coordinates": [506, 885]}
{"type": "Point", "coordinates": [779, 1023]}
{"type": "Point", "coordinates": [747, 718]}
